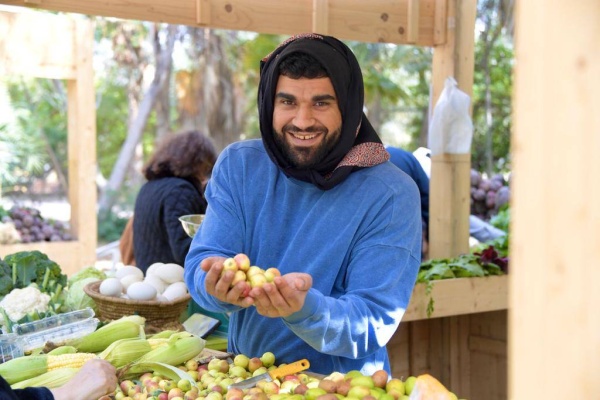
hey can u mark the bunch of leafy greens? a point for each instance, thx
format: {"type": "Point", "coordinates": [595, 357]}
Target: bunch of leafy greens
{"type": "Point", "coordinates": [485, 259]}
{"type": "Point", "coordinates": [6, 284]}
{"type": "Point", "coordinates": [29, 267]}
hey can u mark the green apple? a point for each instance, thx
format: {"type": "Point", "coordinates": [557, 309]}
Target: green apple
{"type": "Point", "coordinates": [409, 384]}
{"type": "Point", "coordinates": [241, 360]}
{"type": "Point", "coordinates": [268, 359]}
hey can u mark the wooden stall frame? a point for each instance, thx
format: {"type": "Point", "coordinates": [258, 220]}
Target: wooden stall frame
{"type": "Point", "coordinates": [443, 342]}
{"type": "Point", "coordinates": [59, 48]}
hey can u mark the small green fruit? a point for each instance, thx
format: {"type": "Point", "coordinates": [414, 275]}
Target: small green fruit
{"type": "Point", "coordinates": [409, 384]}
{"type": "Point", "coordinates": [268, 359]}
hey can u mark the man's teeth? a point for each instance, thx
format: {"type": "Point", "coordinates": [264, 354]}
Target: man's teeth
{"type": "Point", "coordinates": [304, 137]}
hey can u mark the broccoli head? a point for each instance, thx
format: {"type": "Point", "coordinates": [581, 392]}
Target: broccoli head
{"type": "Point", "coordinates": [29, 267]}
{"type": "Point", "coordinates": [6, 284]}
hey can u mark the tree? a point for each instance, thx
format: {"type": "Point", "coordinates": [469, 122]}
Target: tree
{"type": "Point", "coordinates": [140, 117]}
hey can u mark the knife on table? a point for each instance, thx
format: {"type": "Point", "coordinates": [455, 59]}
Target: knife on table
{"type": "Point", "coordinates": [279, 372]}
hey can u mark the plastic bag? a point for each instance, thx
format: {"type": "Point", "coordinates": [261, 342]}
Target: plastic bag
{"type": "Point", "coordinates": [451, 128]}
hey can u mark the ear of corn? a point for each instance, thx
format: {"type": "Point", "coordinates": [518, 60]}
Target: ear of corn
{"type": "Point", "coordinates": [180, 349]}
{"type": "Point", "coordinates": [126, 327]}
{"type": "Point", "coordinates": [22, 368]}
{"type": "Point", "coordinates": [125, 351]}
{"type": "Point", "coordinates": [69, 360]}
{"type": "Point", "coordinates": [51, 379]}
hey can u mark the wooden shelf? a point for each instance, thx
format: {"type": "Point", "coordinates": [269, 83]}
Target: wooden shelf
{"type": "Point", "coordinates": [458, 297]}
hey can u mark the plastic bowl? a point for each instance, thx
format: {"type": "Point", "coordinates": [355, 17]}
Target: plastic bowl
{"type": "Point", "coordinates": [191, 223]}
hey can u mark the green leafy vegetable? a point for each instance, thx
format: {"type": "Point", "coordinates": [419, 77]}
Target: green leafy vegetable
{"type": "Point", "coordinates": [6, 284]}
{"type": "Point", "coordinates": [77, 299]}
{"type": "Point", "coordinates": [88, 272]}
{"type": "Point", "coordinates": [35, 267]}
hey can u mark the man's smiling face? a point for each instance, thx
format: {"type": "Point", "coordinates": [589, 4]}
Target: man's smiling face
{"type": "Point", "coordinates": [306, 119]}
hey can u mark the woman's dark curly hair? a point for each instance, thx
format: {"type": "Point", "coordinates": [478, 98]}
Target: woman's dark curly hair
{"type": "Point", "coordinates": [189, 155]}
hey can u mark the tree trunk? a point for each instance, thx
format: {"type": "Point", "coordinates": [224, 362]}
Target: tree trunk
{"type": "Point", "coordinates": [207, 95]}
{"type": "Point", "coordinates": [136, 129]}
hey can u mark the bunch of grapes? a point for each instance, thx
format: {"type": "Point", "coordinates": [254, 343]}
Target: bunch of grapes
{"type": "Point", "coordinates": [32, 227]}
{"type": "Point", "coordinates": [488, 195]}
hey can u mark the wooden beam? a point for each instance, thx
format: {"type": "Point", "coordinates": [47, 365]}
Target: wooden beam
{"type": "Point", "coordinates": [459, 296]}
{"type": "Point", "coordinates": [367, 21]}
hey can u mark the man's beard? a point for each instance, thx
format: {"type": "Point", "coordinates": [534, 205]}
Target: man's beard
{"type": "Point", "coordinates": [305, 157]}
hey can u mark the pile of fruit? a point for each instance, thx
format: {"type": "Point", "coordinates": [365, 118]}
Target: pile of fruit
{"type": "Point", "coordinates": [174, 365]}
{"type": "Point", "coordinates": [212, 380]}
{"type": "Point", "coordinates": [31, 226]}
{"type": "Point", "coordinates": [488, 195]}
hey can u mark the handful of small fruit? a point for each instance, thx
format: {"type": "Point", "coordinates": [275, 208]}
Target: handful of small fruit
{"type": "Point", "coordinates": [244, 271]}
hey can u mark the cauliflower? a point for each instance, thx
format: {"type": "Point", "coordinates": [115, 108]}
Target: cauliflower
{"type": "Point", "coordinates": [8, 233]}
{"type": "Point", "coordinates": [20, 302]}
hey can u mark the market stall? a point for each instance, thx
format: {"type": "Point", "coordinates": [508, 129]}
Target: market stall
{"type": "Point", "coordinates": [445, 25]}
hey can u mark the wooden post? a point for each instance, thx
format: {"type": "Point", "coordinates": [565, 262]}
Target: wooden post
{"type": "Point", "coordinates": [455, 58]}
{"type": "Point", "coordinates": [82, 146]}
{"type": "Point", "coordinates": [449, 212]}
{"type": "Point", "coordinates": [554, 321]}
{"type": "Point", "coordinates": [449, 199]}
{"type": "Point", "coordinates": [449, 206]}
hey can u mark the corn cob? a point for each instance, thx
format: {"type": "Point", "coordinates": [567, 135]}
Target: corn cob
{"type": "Point", "coordinates": [126, 327]}
{"type": "Point", "coordinates": [22, 368]}
{"type": "Point", "coordinates": [50, 379]}
{"type": "Point", "coordinates": [182, 347]}
{"type": "Point", "coordinates": [69, 360]}
{"type": "Point", "coordinates": [125, 351]}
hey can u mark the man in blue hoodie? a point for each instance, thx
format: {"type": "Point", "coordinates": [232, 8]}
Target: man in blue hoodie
{"type": "Point", "coordinates": [317, 198]}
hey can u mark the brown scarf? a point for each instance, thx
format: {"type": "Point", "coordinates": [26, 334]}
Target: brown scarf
{"type": "Point", "coordinates": [359, 146]}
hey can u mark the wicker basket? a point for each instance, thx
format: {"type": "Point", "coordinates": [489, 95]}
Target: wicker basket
{"type": "Point", "coordinates": [158, 314]}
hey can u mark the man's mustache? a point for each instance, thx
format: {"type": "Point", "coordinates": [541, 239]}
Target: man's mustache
{"type": "Point", "coordinates": [311, 129]}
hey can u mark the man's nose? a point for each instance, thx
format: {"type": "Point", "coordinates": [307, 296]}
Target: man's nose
{"type": "Point", "coordinates": [304, 117]}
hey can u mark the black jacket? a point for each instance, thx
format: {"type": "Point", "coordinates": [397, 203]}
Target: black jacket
{"type": "Point", "coordinates": [158, 235]}
{"type": "Point", "coordinates": [6, 393]}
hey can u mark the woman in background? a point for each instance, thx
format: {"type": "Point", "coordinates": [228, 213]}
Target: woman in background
{"type": "Point", "coordinates": [177, 173]}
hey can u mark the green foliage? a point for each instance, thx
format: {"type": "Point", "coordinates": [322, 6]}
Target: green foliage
{"type": "Point", "coordinates": [111, 122]}
{"type": "Point", "coordinates": [500, 69]}
{"type": "Point", "coordinates": [111, 227]}
{"type": "Point", "coordinates": [502, 219]}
